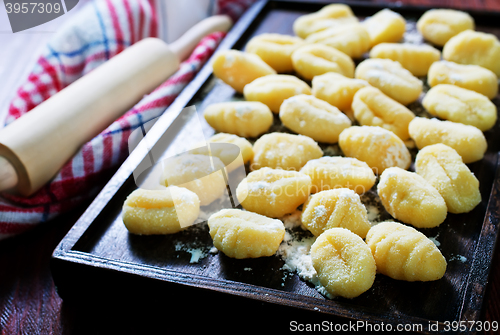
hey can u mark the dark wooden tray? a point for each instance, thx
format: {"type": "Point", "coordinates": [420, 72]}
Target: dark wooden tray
{"type": "Point", "coordinates": [99, 261]}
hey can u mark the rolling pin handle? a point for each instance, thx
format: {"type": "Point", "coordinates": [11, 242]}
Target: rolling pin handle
{"type": "Point", "coordinates": [8, 175]}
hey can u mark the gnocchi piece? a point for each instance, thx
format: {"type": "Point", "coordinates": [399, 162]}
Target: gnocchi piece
{"type": "Point", "coordinates": [391, 78]}
{"type": "Point", "coordinates": [404, 253]}
{"type": "Point", "coordinates": [378, 147]}
{"type": "Point", "coordinates": [415, 58]}
{"type": "Point", "coordinates": [329, 16]}
{"type": "Point", "coordinates": [458, 104]}
{"type": "Point", "coordinates": [272, 90]}
{"type": "Point", "coordinates": [344, 263]}
{"type": "Point", "coordinates": [240, 234]}
{"type": "Point", "coordinates": [471, 77]}
{"type": "Point", "coordinates": [410, 198]}
{"type": "Point", "coordinates": [273, 192]}
{"type": "Point", "coordinates": [352, 39]}
{"type": "Point", "coordinates": [336, 89]}
{"type": "Point", "coordinates": [167, 211]}
{"type": "Point", "coordinates": [444, 169]}
{"type": "Point", "coordinates": [468, 141]}
{"type": "Point", "coordinates": [225, 153]}
{"type": "Point", "coordinates": [195, 172]}
{"type": "Point", "coordinates": [310, 116]}
{"type": "Point", "coordinates": [284, 151]}
{"type": "Point", "coordinates": [373, 108]}
{"type": "Point", "coordinates": [439, 25]}
{"type": "Point", "coordinates": [474, 47]}
{"type": "Point", "coordinates": [338, 208]}
{"type": "Point", "coordinates": [275, 49]}
{"type": "Point", "coordinates": [339, 172]}
{"type": "Point", "coordinates": [385, 26]}
{"type": "Point", "coordinates": [237, 68]}
{"type": "Point", "coordinates": [315, 59]}
{"type": "Point", "coordinates": [242, 118]}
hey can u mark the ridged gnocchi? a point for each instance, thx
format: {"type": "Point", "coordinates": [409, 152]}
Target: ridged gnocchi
{"type": "Point", "coordinates": [315, 59]}
{"type": "Point", "coordinates": [415, 58]}
{"type": "Point", "coordinates": [474, 47]}
{"type": "Point", "coordinates": [167, 211]}
{"type": "Point", "coordinates": [458, 104]}
{"type": "Point", "coordinates": [378, 147]}
{"type": "Point", "coordinates": [410, 198]}
{"type": "Point", "coordinates": [275, 49]}
{"type": "Point", "coordinates": [391, 78]}
{"type": "Point", "coordinates": [468, 141]}
{"type": "Point", "coordinates": [344, 263]}
{"type": "Point", "coordinates": [444, 169]}
{"type": "Point", "coordinates": [284, 151]}
{"type": "Point", "coordinates": [371, 107]}
{"type": "Point", "coordinates": [471, 77]}
{"type": "Point", "coordinates": [240, 234]}
{"type": "Point", "coordinates": [330, 172]}
{"type": "Point", "coordinates": [200, 174]}
{"type": "Point", "coordinates": [439, 25]}
{"type": "Point", "coordinates": [336, 89]}
{"type": "Point", "coordinates": [272, 90]}
{"type": "Point", "coordinates": [404, 253]}
{"type": "Point", "coordinates": [273, 192]}
{"type": "Point", "coordinates": [328, 16]}
{"type": "Point", "coordinates": [242, 118]}
{"type": "Point", "coordinates": [237, 68]}
{"type": "Point", "coordinates": [385, 26]}
{"type": "Point", "coordinates": [310, 116]}
{"type": "Point", "coordinates": [338, 208]}
{"type": "Point", "coordinates": [352, 39]}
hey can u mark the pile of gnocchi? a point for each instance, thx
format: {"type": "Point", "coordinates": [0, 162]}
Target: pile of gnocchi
{"type": "Point", "coordinates": [324, 89]}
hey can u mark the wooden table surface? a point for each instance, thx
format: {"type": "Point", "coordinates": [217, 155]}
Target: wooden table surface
{"type": "Point", "coordinates": [29, 303]}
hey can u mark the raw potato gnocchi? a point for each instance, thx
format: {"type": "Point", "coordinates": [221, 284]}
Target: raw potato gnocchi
{"type": "Point", "coordinates": [404, 253]}
{"type": "Point", "coordinates": [408, 197]}
{"type": "Point", "coordinates": [339, 172]}
{"type": "Point", "coordinates": [444, 169]}
{"type": "Point", "coordinates": [272, 90]}
{"type": "Point", "coordinates": [468, 141]}
{"type": "Point", "coordinates": [227, 154]}
{"type": "Point", "coordinates": [336, 89]}
{"type": "Point", "coordinates": [415, 58]}
{"type": "Point", "coordinates": [385, 26]}
{"type": "Point", "coordinates": [315, 59]}
{"type": "Point", "coordinates": [371, 107]}
{"type": "Point", "coordinates": [240, 234]}
{"type": "Point", "coordinates": [237, 68]}
{"type": "Point", "coordinates": [458, 104]}
{"type": "Point", "coordinates": [195, 172]}
{"type": "Point", "coordinates": [471, 77]}
{"type": "Point", "coordinates": [339, 208]}
{"type": "Point", "coordinates": [167, 211]}
{"type": "Point", "coordinates": [328, 16]}
{"type": "Point", "coordinates": [378, 147]}
{"type": "Point", "coordinates": [439, 25]}
{"type": "Point", "coordinates": [310, 116]}
{"type": "Point", "coordinates": [391, 78]}
{"type": "Point", "coordinates": [242, 118]}
{"type": "Point", "coordinates": [275, 49]}
{"type": "Point", "coordinates": [352, 39]}
{"type": "Point", "coordinates": [344, 263]}
{"type": "Point", "coordinates": [284, 151]}
{"type": "Point", "coordinates": [474, 47]}
{"type": "Point", "coordinates": [273, 192]}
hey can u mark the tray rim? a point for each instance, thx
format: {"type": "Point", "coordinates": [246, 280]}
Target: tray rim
{"type": "Point", "coordinates": [64, 251]}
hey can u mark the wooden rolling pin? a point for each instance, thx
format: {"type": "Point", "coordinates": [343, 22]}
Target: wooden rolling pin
{"type": "Point", "coordinates": [34, 147]}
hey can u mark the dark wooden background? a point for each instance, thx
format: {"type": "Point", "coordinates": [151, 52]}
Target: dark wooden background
{"type": "Point", "coordinates": [29, 303]}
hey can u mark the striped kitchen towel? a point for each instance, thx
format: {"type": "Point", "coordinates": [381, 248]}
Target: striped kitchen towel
{"type": "Point", "coordinates": [102, 29]}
